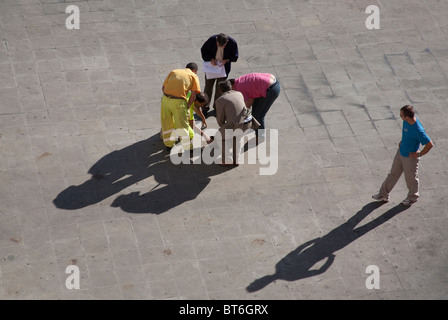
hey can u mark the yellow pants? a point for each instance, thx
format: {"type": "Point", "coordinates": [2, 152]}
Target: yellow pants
{"type": "Point", "coordinates": [174, 119]}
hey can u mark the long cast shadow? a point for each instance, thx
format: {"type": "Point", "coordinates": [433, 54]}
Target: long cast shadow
{"type": "Point", "coordinates": [297, 264]}
{"type": "Point", "coordinates": [131, 165]}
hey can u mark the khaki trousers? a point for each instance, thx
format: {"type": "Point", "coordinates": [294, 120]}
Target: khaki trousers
{"type": "Point", "coordinates": [408, 166]}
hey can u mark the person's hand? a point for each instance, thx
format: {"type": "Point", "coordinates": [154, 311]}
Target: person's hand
{"type": "Point", "coordinates": [214, 62]}
{"type": "Point", "coordinates": [204, 124]}
{"type": "Point", "coordinates": [414, 154]}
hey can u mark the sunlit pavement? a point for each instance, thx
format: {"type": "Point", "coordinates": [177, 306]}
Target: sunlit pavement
{"type": "Point", "coordinates": [86, 182]}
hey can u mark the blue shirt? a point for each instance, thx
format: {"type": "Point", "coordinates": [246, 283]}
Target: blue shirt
{"type": "Point", "coordinates": [412, 136]}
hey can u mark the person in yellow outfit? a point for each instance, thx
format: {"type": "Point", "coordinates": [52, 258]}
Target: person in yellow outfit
{"type": "Point", "coordinates": [196, 107]}
{"type": "Point", "coordinates": [175, 105]}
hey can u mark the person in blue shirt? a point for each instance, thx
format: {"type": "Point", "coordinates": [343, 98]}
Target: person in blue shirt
{"type": "Point", "coordinates": [407, 157]}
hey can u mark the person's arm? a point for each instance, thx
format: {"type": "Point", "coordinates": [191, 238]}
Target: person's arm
{"type": "Point", "coordinates": [207, 49]}
{"type": "Point", "coordinates": [233, 51]}
{"type": "Point", "coordinates": [220, 114]}
{"type": "Point", "coordinates": [234, 58]}
{"type": "Point", "coordinates": [222, 62]}
{"type": "Point", "coordinates": [199, 113]}
{"type": "Point", "coordinates": [249, 103]}
{"type": "Point", "coordinates": [192, 98]}
{"type": "Point", "coordinates": [425, 150]}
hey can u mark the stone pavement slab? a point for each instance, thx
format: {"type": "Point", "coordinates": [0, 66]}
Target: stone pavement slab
{"type": "Point", "coordinates": [85, 180]}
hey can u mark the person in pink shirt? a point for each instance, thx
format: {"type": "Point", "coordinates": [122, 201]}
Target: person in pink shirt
{"type": "Point", "coordinates": [259, 90]}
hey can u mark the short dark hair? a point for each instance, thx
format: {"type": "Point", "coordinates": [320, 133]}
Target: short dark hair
{"type": "Point", "coordinates": [408, 111]}
{"type": "Point", "coordinates": [192, 66]}
{"type": "Point", "coordinates": [232, 81]}
{"type": "Point", "coordinates": [225, 86]}
{"type": "Point", "coordinates": [202, 97]}
{"type": "Point", "coordinates": [222, 39]}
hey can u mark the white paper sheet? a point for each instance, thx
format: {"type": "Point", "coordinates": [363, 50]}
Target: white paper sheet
{"type": "Point", "coordinates": [213, 72]}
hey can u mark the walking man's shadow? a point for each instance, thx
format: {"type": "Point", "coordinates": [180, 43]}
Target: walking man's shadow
{"type": "Point", "coordinates": [131, 165]}
{"type": "Point", "coordinates": [297, 264]}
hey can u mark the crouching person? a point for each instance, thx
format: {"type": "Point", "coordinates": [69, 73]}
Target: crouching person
{"type": "Point", "coordinates": [233, 119]}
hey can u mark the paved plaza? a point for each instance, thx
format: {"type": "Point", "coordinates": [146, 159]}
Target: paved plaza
{"type": "Point", "coordinates": [85, 180]}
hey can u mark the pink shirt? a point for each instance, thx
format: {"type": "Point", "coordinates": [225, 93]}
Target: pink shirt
{"type": "Point", "coordinates": [252, 85]}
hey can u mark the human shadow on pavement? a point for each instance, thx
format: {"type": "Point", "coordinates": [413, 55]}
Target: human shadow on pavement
{"type": "Point", "coordinates": [297, 264]}
{"type": "Point", "coordinates": [126, 167]}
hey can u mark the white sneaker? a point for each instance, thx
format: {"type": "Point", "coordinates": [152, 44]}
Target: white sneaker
{"type": "Point", "coordinates": [378, 197]}
{"type": "Point", "coordinates": [408, 202]}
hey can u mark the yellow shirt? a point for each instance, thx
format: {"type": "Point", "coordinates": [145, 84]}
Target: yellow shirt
{"type": "Point", "coordinates": [180, 81]}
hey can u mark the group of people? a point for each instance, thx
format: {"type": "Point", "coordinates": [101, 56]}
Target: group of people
{"type": "Point", "coordinates": [240, 103]}
{"type": "Point", "coordinates": [244, 102]}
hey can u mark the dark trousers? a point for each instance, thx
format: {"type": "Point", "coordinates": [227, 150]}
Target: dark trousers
{"type": "Point", "coordinates": [209, 85]}
{"type": "Point", "coordinates": [261, 106]}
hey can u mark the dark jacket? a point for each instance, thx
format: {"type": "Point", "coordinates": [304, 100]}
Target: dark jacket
{"type": "Point", "coordinates": [209, 48]}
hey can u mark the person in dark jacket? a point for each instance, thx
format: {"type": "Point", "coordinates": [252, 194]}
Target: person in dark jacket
{"type": "Point", "coordinates": [219, 49]}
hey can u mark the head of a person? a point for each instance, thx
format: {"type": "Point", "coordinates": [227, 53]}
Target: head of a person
{"type": "Point", "coordinates": [221, 40]}
{"type": "Point", "coordinates": [201, 99]}
{"type": "Point", "coordinates": [192, 66]}
{"type": "Point", "coordinates": [232, 82]}
{"type": "Point", "coordinates": [224, 86]}
{"type": "Point", "coordinates": [407, 112]}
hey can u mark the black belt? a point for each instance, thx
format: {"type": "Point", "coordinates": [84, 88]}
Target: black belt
{"type": "Point", "coordinates": [172, 97]}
